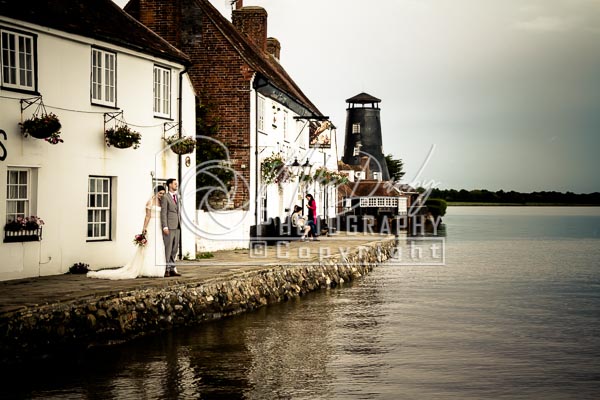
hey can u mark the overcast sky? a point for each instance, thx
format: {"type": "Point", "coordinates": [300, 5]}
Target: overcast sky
{"type": "Point", "coordinates": [506, 91]}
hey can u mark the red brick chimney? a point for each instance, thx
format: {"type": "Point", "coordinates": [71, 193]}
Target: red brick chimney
{"type": "Point", "coordinates": [239, 4]}
{"type": "Point", "coordinates": [252, 21]}
{"type": "Point", "coordinates": [160, 16]}
{"type": "Point", "coordinates": [273, 47]}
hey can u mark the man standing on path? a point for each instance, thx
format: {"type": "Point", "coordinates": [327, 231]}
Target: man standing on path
{"type": "Point", "coordinates": [170, 216]}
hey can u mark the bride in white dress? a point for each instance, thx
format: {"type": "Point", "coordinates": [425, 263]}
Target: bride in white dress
{"type": "Point", "coordinates": [148, 260]}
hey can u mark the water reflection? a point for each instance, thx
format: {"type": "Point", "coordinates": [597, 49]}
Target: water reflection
{"type": "Point", "coordinates": [296, 349]}
{"type": "Point", "coordinates": [288, 355]}
{"type": "Point", "coordinates": [501, 319]}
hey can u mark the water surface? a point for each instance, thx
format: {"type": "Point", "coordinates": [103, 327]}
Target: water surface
{"type": "Point", "coordinates": [513, 314]}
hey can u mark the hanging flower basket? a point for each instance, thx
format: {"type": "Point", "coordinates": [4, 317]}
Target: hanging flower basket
{"type": "Point", "coordinates": [306, 178]}
{"type": "Point", "coordinates": [340, 179]}
{"type": "Point", "coordinates": [181, 145]}
{"type": "Point", "coordinates": [41, 127]}
{"type": "Point", "coordinates": [274, 170]}
{"type": "Point", "coordinates": [122, 137]}
{"type": "Point", "coordinates": [322, 176]}
{"type": "Point", "coordinates": [327, 177]}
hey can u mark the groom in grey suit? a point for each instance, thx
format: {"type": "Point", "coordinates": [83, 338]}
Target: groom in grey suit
{"type": "Point", "coordinates": [170, 217]}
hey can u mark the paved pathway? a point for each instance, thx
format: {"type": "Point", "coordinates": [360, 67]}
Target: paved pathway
{"type": "Point", "coordinates": [16, 294]}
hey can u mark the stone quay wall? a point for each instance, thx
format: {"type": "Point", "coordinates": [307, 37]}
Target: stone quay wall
{"type": "Point", "coordinates": [109, 319]}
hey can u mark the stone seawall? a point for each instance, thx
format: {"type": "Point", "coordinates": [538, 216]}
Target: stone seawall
{"type": "Point", "coordinates": [46, 329]}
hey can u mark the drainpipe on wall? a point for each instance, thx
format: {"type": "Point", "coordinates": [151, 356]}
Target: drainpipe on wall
{"type": "Point", "coordinates": [179, 122]}
{"type": "Point", "coordinates": [257, 166]}
{"type": "Point", "coordinates": [256, 85]}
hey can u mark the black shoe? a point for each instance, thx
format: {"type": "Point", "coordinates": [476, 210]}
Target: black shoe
{"type": "Point", "coordinates": [173, 273]}
{"type": "Point", "coordinates": [167, 274]}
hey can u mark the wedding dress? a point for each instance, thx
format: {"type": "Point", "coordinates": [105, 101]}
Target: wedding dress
{"type": "Point", "coordinates": [148, 260]}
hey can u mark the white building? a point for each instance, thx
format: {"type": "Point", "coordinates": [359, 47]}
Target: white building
{"type": "Point", "coordinates": [95, 67]}
{"type": "Point", "coordinates": [286, 131]}
{"type": "Point", "coordinates": [261, 112]}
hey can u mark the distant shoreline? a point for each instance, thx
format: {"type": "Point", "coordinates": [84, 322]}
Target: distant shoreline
{"type": "Point", "coordinates": [480, 204]}
{"type": "Point", "coordinates": [483, 197]}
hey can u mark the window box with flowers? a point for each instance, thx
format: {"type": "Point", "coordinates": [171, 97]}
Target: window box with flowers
{"type": "Point", "coordinates": [41, 126]}
{"type": "Point", "coordinates": [181, 145]}
{"type": "Point", "coordinates": [23, 229]}
{"type": "Point", "coordinates": [122, 137]}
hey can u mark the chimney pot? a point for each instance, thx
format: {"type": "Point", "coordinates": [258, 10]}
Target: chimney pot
{"type": "Point", "coordinates": [273, 47]}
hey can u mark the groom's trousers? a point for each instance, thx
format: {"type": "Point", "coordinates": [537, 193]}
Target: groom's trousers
{"type": "Point", "coordinates": [171, 247]}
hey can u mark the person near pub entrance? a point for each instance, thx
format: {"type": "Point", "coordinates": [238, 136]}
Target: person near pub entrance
{"type": "Point", "coordinates": [170, 217]}
{"type": "Point", "coordinates": [312, 216]}
{"type": "Point", "coordinates": [300, 222]}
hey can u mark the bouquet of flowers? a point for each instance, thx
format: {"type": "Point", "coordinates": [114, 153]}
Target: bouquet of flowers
{"type": "Point", "coordinates": [140, 239]}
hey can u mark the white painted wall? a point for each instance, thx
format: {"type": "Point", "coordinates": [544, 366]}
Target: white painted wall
{"type": "Point", "coordinates": [187, 186]}
{"type": "Point", "coordinates": [63, 169]}
{"type": "Point", "coordinates": [292, 146]}
{"type": "Point", "coordinates": [223, 230]}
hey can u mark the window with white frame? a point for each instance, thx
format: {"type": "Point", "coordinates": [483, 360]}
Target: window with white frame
{"type": "Point", "coordinates": [162, 91]}
{"type": "Point", "coordinates": [264, 208]}
{"type": "Point", "coordinates": [98, 208]}
{"type": "Point", "coordinates": [356, 128]}
{"type": "Point", "coordinates": [286, 133]}
{"type": "Point", "coordinates": [299, 137]}
{"type": "Point", "coordinates": [17, 60]}
{"type": "Point", "coordinates": [18, 193]}
{"type": "Point", "coordinates": [260, 111]}
{"type": "Point", "coordinates": [104, 77]}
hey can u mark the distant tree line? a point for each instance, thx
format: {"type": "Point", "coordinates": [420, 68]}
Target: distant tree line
{"type": "Point", "coordinates": [512, 197]}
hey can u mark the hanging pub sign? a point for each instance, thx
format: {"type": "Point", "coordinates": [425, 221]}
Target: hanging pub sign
{"type": "Point", "coordinates": [321, 136]}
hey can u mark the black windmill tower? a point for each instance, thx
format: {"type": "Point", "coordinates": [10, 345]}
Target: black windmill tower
{"type": "Point", "coordinates": [363, 135]}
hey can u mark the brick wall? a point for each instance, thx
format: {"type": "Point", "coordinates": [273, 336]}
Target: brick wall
{"type": "Point", "coordinates": [161, 17]}
{"type": "Point", "coordinates": [220, 76]}
{"type": "Point", "coordinates": [222, 80]}
{"type": "Point", "coordinates": [252, 21]}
